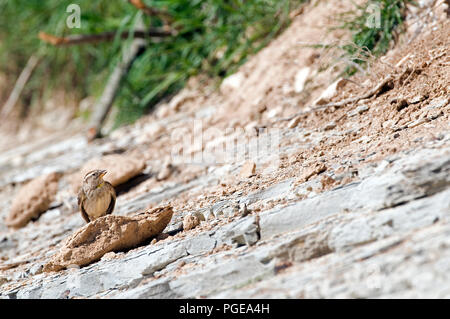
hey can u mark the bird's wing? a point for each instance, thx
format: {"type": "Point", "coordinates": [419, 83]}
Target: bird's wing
{"type": "Point", "coordinates": [81, 198]}
{"type": "Point", "coordinates": [112, 203]}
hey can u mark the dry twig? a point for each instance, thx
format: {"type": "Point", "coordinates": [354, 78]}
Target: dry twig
{"type": "Point", "coordinates": [104, 104]}
{"type": "Point", "coordinates": [388, 81]}
{"type": "Point", "coordinates": [93, 38]}
{"type": "Point", "coordinates": [33, 61]}
{"type": "Point", "coordinates": [166, 17]}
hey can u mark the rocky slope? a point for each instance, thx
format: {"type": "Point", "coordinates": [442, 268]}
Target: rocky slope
{"type": "Point", "coordinates": [271, 195]}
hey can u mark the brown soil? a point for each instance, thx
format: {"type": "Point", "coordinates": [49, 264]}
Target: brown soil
{"type": "Point", "coordinates": [398, 119]}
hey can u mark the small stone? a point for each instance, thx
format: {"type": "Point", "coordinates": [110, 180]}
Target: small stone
{"type": "Point", "coordinates": [346, 180]}
{"type": "Point", "coordinates": [401, 104]}
{"type": "Point", "coordinates": [165, 172]}
{"type": "Point", "coordinates": [417, 99]}
{"type": "Point", "coordinates": [251, 127]}
{"type": "Point", "coordinates": [417, 123]}
{"type": "Point", "coordinates": [300, 79]}
{"type": "Point", "coordinates": [281, 265]}
{"type": "Point", "coordinates": [232, 82]}
{"type": "Point", "coordinates": [243, 211]}
{"type": "Point", "coordinates": [274, 112]}
{"type": "Point", "coordinates": [361, 109]}
{"type": "Point", "coordinates": [210, 215]}
{"type": "Point", "coordinates": [36, 269]}
{"type": "Point", "coordinates": [330, 92]}
{"type": "Point", "coordinates": [18, 161]}
{"type": "Point", "coordinates": [190, 222]}
{"type": "Point", "coordinates": [432, 115]}
{"type": "Point", "coordinates": [329, 126]}
{"type": "Point", "coordinates": [294, 122]}
{"type": "Point", "coordinates": [438, 103]}
{"type": "Point", "coordinates": [248, 169]}
{"type": "Point", "coordinates": [154, 130]}
{"type": "Point", "coordinates": [219, 213]}
{"type": "Point", "coordinates": [315, 170]}
{"type": "Point", "coordinates": [51, 215]}
{"type": "Point", "coordinates": [109, 256]}
{"type": "Point", "coordinates": [181, 98]}
{"type": "Point", "coordinates": [261, 108]}
{"type": "Point", "coordinates": [389, 124]}
{"type": "Point", "coordinates": [362, 102]}
{"type": "Point", "coordinates": [3, 280]}
{"type": "Point", "coordinates": [229, 211]}
{"type": "Point", "coordinates": [163, 111]}
{"type": "Point", "coordinates": [20, 275]}
{"type": "Point", "coordinates": [327, 181]}
{"type": "Point", "coordinates": [72, 267]}
{"type": "Point", "coordinates": [199, 215]}
{"type": "Point", "coordinates": [286, 89]}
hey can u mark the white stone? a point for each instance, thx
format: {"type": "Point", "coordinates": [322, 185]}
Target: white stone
{"type": "Point", "coordinates": [232, 82]}
{"type": "Point", "coordinates": [300, 79]}
{"type": "Point", "coordinates": [330, 92]}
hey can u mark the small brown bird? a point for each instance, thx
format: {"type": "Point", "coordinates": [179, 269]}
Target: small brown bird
{"type": "Point", "coordinates": [96, 197]}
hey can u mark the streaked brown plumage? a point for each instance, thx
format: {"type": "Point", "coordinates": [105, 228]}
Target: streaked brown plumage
{"type": "Point", "coordinates": [96, 197]}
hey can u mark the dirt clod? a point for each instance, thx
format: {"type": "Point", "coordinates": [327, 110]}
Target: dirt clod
{"type": "Point", "coordinates": [247, 170]}
{"type": "Point", "coordinates": [165, 172]}
{"type": "Point", "coordinates": [32, 200]}
{"type": "Point", "coordinates": [109, 234]}
{"type": "Point", "coordinates": [315, 170]}
{"type": "Point", "coordinates": [190, 222]}
{"type": "Point", "coordinates": [120, 169]}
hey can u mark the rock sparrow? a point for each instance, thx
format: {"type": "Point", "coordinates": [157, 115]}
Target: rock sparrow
{"type": "Point", "coordinates": [96, 197]}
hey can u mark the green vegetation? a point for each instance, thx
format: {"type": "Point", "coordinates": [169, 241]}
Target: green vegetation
{"type": "Point", "coordinates": [213, 38]}
{"type": "Point", "coordinates": [374, 26]}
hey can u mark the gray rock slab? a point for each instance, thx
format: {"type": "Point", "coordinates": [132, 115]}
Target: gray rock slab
{"type": "Point", "coordinates": [244, 231]}
{"type": "Point", "coordinates": [219, 275]}
{"type": "Point", "coordinates": [423, 174]}
{"type": "Point", "coordinates": [104, 275]}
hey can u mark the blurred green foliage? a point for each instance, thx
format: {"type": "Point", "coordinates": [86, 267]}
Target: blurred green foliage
{"type": "Point", "coordinates": [214, 37]}
{"type": "Point", "coordinates": [374, 25]}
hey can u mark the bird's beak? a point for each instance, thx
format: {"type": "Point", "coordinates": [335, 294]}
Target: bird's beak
{"type": "Point", "coordinates": [103, 173]}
